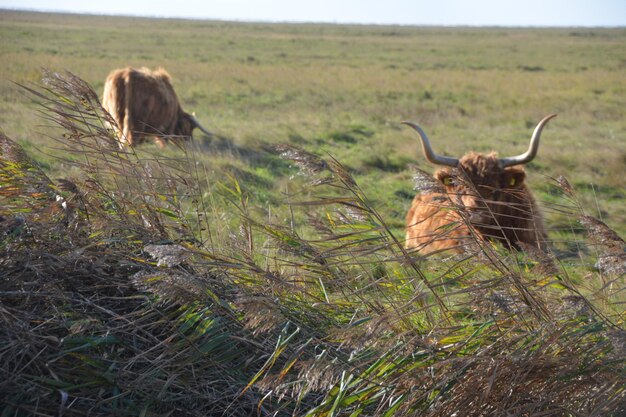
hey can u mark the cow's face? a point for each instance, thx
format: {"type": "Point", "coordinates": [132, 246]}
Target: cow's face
{"type": "Point", "coordinates": [484, 189]}
{"type": "Point", "coordinates": [185, 126]}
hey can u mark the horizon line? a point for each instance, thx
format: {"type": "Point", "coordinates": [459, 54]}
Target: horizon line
{"type": "Point", "coordinates": [307, 22]}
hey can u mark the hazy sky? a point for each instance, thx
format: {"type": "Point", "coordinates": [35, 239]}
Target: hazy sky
{"type": "Point", "coordinates": [419, 12]}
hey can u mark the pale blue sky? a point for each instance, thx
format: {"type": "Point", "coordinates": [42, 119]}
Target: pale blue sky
{"type": "Point", "coordinates": [417, 12]}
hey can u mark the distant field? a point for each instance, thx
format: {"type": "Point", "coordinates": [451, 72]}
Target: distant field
{"type": "Point", "coordinates": [342, 90]}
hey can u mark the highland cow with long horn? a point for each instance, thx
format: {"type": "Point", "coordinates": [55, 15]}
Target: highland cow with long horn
{"type": "Point", "coordinates": [143, 103]}
{"type": "Point", "coordinates": [482, 197]}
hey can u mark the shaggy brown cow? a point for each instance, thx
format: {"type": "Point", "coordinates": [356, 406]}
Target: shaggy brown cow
{"type": "Point", "coordinates": [483, 197]}
{"type": "Point", "coordinates": [144, 103]}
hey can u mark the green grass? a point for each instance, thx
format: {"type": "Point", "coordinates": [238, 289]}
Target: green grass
{"type": "Point", "coordinates": [311, 85]}
{"type": "Point", "coordinates": [263, 271]}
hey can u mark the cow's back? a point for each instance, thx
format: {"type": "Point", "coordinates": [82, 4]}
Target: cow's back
{"type": "Point", "coordinates": [142, 102]}
{"type": "Point", "coordinates": [155, 105]}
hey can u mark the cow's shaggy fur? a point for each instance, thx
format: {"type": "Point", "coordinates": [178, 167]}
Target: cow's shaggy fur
{"type": "Point", "coordinates": [481, 201]}
{"type": "Point", "coordinates": [143, 103]}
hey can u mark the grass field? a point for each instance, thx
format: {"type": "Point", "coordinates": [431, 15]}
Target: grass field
{"type": "Point", "coordinates": [343, 90]}
{"type": "Point", "coordinates": [292, 294]}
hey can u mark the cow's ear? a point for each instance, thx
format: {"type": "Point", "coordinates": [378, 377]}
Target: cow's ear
{"type": "Point", "coordinates": [514, 178]}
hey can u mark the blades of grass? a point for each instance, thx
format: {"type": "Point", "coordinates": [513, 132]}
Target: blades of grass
{"type": "Point", "coordinates": [390, 412]}
{"type": "Point", "coordinates": [281, 344]}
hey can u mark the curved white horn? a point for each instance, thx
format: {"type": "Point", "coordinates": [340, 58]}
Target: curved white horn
{"type": "Point", "coordinates": [199, 126]}
{"type": "Point", "coordinates": [431, 156]}
{"type": "Point", "coordinates": [530, 154]}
